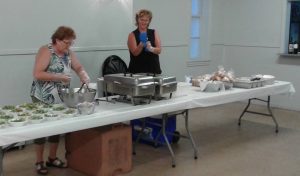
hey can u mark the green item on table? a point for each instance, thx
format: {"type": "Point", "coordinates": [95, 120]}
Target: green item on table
{"type": "Point", "coordinates": [8, 107]}
{"type": "Point", "coordinates": [6, 117]}
{"type": "Point", "coordinates": [18, 120]}
{"type": "Point", "coordinates": [35, 117]}
{"type": "Point", "coordinates": [17, 110]}
{"type": "Point", "coordinates": [59, 108]}
{"type": "Point", "coordinates": [39, 111]}
{"type": "Point", "coordinates": [70, 111]}
{"type": "Point", "coordinates": [24, 114]}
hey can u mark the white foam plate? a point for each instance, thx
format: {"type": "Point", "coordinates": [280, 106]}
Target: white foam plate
{"type": "Point", "coordinates": [17, 124]}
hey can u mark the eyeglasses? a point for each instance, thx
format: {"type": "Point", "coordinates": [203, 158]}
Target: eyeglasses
{"type": "Point", "coordinates": [68, 42]}
{"type": "Point", "coordinates": [145, 20]}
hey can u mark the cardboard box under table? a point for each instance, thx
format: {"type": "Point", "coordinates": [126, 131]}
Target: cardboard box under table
{"type": "Point", "coordinates": [102, 151]}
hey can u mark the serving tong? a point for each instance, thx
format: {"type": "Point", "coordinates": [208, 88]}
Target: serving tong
{"type": "Point", "coordinates": [87, 87]}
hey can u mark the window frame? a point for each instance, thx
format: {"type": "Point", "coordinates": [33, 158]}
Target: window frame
{"type": "Point", "coordinates": [203, 39]}
{"type": "Point", "coordinates": [290, 39]}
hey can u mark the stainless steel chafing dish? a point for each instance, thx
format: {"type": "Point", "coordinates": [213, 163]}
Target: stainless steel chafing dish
{"type": "Point", "coordinates": [165, 85]}
{"type": "Point", "coordinates": [133, 85]}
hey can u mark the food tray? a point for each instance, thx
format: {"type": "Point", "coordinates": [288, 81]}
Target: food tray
{"type": "Point", "coordinates": [247, 84]}
{"type": "Point", "coordinates": [227, 85]}
{"type": "Point", "coordinates": [215, 86]}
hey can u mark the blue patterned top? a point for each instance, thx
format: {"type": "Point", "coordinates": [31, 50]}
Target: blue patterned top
{"type": "Point", "coordinates": [46, 91]}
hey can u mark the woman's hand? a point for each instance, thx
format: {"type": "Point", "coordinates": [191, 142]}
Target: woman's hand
{"type": "Point", "coordinates": [63, 78]}
{"type": "Point", "coordinates": [135, 48]}
{"type": "Point", "coordinates": [143, 38]}
{"type": "Point", "coordinates": [149, 47]}
{"type": "Point", "coordinates": [84, 77]}
{"type": "Point", "coordinates": [66, 79]}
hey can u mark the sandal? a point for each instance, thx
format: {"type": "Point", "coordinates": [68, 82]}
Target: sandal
{"type": "Point", "coordinates": [40, 168]}
{"type": "Point", "coordinates": [55, 163]}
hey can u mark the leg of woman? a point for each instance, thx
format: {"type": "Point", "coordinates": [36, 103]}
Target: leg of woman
{"type": "Point", "coordinates": [39, 151]}
{"type": "Point", "coordinates": [40, 142]}
{"type": "Point", "coordinates": [54, 141]}
{"type": "Point", "coordinates": [53, 161]}
{"type": "Point", "coordinates": [53, 150]}
{"type": "Point", "coordinates": [39, 148]}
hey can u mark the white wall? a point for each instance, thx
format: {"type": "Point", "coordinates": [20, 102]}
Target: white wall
{"type": "Point", "coordinates": [248, 35]}
{"type": "Point", "coordinates": [102, 27]}
{"type": "Point", "coordinates": [28, 24]}
{"type": "Point", "coordinates": [245, 35]}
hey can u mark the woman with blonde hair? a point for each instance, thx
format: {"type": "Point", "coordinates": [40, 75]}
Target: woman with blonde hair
{"type": "Point", "coordinates": [144, 45]}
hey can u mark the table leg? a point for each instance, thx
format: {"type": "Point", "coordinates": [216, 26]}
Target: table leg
{"type": "Point", "coordinates": [157, 137]}
{"type": "Point", "coordinates": [164, 119]}
{"type": "Point", "coordinates": [1, 160]}
{"type": "Point", "coordinates": [271, 114]}
{"type": "Point", "coordinates": [259, 113]}
{"type": "Point", "coordinates": [244, 111]}
{"type": "Point", "coordinates": [140, 133]}
{"type": "Point", "coordinates": [190, 135]}
{"type": "Point", "coordinates": [163, 131]}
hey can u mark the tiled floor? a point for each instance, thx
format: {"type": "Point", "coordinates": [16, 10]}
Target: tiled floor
{"type": "Point", "coordinates": [225, 149]}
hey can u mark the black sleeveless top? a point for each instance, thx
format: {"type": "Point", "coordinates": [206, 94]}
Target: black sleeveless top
{"type": "Point", "coordinates": [145, 62]}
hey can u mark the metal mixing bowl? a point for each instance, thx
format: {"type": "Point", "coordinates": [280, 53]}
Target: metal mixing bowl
{"type": "Point", "coordinates": [72, 96]}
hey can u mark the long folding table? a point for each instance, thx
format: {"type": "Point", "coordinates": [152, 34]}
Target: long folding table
{"type": "Point", "coordinates": [186, 97]}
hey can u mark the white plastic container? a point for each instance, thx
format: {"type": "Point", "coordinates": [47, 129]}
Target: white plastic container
{"type": "Point", "coordinates": [86, 108]}
{"type": "Point", "coordinates": [245, 82]}
{"type": "Point", "coordinates": [269, 79]}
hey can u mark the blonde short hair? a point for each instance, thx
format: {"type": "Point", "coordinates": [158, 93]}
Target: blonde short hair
{"type": "Point", "coordinates": [142, 13]}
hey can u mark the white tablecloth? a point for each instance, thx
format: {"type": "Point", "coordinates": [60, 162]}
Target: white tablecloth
{"type": "Point", "coordinates": [186, 97]}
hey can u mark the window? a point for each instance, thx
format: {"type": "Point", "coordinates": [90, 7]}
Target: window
{"type": "Point", "coordinates": [195, 49]}
{"type": "Point", "coordinates": [294, 31]}
{"type": "Point", "coordinates": [199, 43]}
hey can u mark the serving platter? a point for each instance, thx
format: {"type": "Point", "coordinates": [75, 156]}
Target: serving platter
{"type": "Point", "coordinates": [33, 113]}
